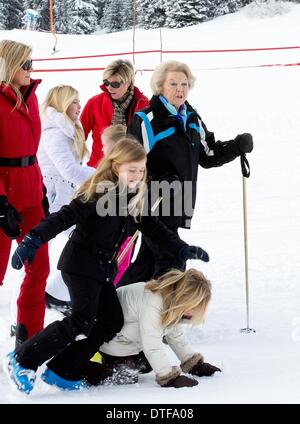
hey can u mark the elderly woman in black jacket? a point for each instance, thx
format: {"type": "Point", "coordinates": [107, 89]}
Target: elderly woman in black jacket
{"type": "Point", "coordinates": [176, 141]}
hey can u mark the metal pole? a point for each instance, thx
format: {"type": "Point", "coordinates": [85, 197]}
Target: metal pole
{"type": "Point", "coordinates": [133, 31]}
{"type": "Point", "coordinates": [160, 37]}
{"type": "Point", "coordinates": [247, 329]}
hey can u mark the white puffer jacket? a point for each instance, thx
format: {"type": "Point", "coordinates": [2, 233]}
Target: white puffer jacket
{"type": "Point", "coordinates": [61, 168]}
{"type": "Point", "coordinates": [142, 331]}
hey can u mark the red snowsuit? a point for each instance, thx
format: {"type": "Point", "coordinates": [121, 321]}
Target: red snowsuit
{"type": "Point", "coordinates": [97, 115]}
{"type": "Point", "coordinates": [20, 131]}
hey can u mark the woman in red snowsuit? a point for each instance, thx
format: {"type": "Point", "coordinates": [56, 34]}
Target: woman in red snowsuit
{"type": "Point", "coordinates": [21, 185]}
{"type": "Point", "coordinates": [117, 103]}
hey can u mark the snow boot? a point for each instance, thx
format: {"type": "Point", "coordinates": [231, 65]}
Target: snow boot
{"type": "Point", "coordinates": [53, 379]}
{"type": "Point", "coordinates": [23, 378]}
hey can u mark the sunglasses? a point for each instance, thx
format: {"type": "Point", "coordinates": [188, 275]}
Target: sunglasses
{"type": "Point", "coordinates": [27, 65]}
{"type": "Point", "coordinates": [114, 84]}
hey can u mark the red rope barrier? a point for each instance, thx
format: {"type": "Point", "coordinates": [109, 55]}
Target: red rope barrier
{"type": "Point", "coordinates": [170, 52]}
{"type": "Point", "coordinates": [232, 50]}
{"type": "Point", "coordinates": [151, 70]}
{"type": "Point", "coordinates": [68, 69]}
{"type": "Point", "coordinates": [96, 55]}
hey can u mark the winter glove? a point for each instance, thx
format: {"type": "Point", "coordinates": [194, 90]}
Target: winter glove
{"type": "Point", "coordinates": [243, 143]}
{"type": "Point", "coordinates": [181, 381]}
{"type": "Point", "coordinates": [45, 202]}
{"type": "Point", "coordinates": [193, 252]}
{"type": "Point", "coordinates": [204, 369]}
{"type": "Point", "coordinates": [9, 219]}
{"type": "Point", "coordinates": [26, 250]}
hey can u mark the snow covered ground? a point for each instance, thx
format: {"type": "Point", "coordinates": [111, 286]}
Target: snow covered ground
{"type": "Point", "coordinates": [261, 367]}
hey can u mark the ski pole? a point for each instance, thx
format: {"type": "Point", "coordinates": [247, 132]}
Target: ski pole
{"type": "Point", "coordinates": [135, 235]}
{"type": "Point", "coordinates": [246, 174]}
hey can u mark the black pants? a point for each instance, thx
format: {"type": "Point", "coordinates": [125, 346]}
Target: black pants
{"type": "Point", "coordinates": [116, 369]}
{"type": "Point", "coordinates": [150, 263]}
{"type": "Point", "coordinates": [96, 313]}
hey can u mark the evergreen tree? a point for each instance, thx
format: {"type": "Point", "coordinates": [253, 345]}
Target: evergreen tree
{"type": "Point", "coordinates": [60, 16]}
{"type": "Point", "coordinates": [113, 16]}
{"type": "Point", "coordinates": [150, 13]}
{"type": "Point", "coordinates": [3, 14]}
{"type": "Point", "coordinates": [82, 17]}
{"type": "Point", "coordinates": [186, 12]}
{"type": "Point", "coordinates": [222, 7]}
{"type": "Point", "coordinates": [100, 5]}
{"type": "Point", "coordinates": [15, 13]}
{"type": "Point", "coordinates": [42, 7]}
{"type": "Point", "coordinates": [127, 14]}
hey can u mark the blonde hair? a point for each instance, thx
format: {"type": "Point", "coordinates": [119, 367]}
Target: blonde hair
{"type": "Point", "coordinates": [12, 57]}
{"type": "Point", "coordinates": [60, 98]}
{"type": "Point", "coordinates": [160, 74]}
{"type": "Point", "coordinates": [115, 133]}
{"type": "Point", "coordinates": [121, 68]}
{"type": "Point", "coordinates": [124, 151]}
{"type": "Point", "coordinates": [180, 292]}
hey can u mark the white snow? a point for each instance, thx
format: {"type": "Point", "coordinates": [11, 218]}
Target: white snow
{"type": "Point", "coordinates": [261, 367]}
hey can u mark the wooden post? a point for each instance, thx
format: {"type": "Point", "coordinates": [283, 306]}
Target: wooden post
{"type": "Point", "coordinates": [51, 15]}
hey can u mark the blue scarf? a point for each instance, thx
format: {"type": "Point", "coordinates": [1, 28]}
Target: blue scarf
{"type": "Point", "coordinates": [179, 114]}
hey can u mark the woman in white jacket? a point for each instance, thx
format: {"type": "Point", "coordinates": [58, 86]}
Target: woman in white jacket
{"type": "Point", "coordinates": [152, 311]}
{"type": "Point", "coordinates": [61, 153]}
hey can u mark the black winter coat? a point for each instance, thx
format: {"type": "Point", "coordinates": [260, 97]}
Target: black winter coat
{"type": "Point", "coordinates": [174, 153]}
{"type": "Point", "coordinates": [95, 242]}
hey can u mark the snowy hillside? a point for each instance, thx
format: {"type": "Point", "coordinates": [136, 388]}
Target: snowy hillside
{"type": "Point", "coordinates": [261, 367]}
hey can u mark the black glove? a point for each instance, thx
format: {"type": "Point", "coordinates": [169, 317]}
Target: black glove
{"type": "Point", "coordinates": [181, 381]}
{"type": "Point", "coordinates": [193, 252]}
{"type": "Point", "coordinates": [204, 369]}
{"type": "Point", "coordinates": [243, 143]}
{"type": "Point", "coordinates": [26, 250]}
{"type": "Point", "coordinates": [45, 202]}
{"type": "Point", "coordinates": [9, 219]}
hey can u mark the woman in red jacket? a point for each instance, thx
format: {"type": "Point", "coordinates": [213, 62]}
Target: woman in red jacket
{"type": "Point", "coordinates": [21, 185]}
{"type": "Point", "coordinates": [116, 105]}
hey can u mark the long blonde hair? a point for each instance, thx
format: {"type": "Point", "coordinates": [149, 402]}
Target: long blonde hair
{"type": "Point", "coordinates": [12, 56]}
{"type": "Point", "coordinates": [182, 291]}
{"type": "Point", "coordinates": [60, 98]}
{"type": "Point", "coordinates": [124, 151]}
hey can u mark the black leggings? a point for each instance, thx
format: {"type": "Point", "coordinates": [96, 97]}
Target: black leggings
{"type": "Point", "coordinates": [96, 313]}
{"type": "Point", "coordinates": [116, 369]}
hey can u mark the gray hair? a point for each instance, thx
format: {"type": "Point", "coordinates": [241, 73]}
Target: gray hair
{"type": "Point", "coordinates": [160, 74]}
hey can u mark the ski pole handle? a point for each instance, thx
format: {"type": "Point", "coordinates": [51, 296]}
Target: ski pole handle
{"type": "Point", "coordinates": [245, 166]}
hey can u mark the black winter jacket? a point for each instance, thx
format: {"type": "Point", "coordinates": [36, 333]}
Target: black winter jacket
{"type": "Point", "coordinates": [174, 153]}
{"type": "Point", "coordinates": [95, 242]}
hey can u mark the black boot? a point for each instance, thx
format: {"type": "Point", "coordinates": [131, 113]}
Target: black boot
{"type": "Point", "coordinates": [13, 330]}
{"type": "Point", "coordinates": [21, 334]}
